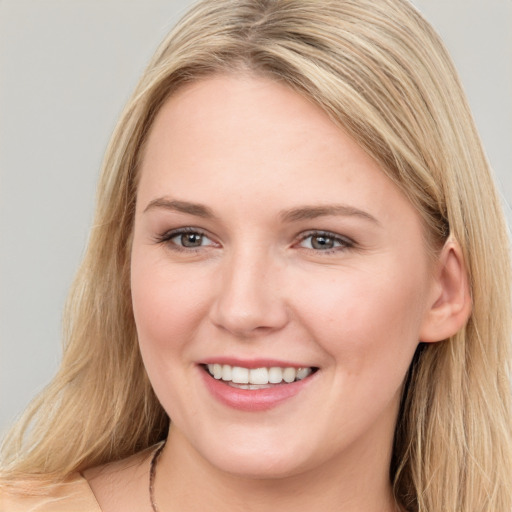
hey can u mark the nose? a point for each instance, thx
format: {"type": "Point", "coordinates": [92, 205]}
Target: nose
{"type": "Point", "coordinates": [249, 300]}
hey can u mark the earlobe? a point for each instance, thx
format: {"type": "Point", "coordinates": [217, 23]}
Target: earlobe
{"type": "Point", "coordinates": [450, 305]}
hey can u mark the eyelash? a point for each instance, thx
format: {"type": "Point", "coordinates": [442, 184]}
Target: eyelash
{"type": "Point", "coordinates": [343, 242]}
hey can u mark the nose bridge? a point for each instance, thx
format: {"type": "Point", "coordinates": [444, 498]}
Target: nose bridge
{"type": "Point", "coordinates": [249, 299]}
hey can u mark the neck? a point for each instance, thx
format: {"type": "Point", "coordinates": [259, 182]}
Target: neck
{"type": "Point", "coordinates": [186, 482]}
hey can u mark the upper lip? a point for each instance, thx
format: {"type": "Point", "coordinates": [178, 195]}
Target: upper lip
{"type": "Point", "coordinates": [253, 363]}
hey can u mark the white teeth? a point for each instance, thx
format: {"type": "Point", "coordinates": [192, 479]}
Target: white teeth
{"type": "Point", "coordinates": [217, 371]}
{"type": "Point", "coordinates": [227, 372]}
{"type": "Point", "coordinates": [257, 376]}
{"type": "Point", "coordinates": [240, 375]}
{"type": "Point", "coordinates": [302, 373]}
{"type": "Point", "coordinates": [289, 374]}
{"type": "Point", "coordinates": [249, 386]}
{"type": "Point", "coordinates": [275, 375]}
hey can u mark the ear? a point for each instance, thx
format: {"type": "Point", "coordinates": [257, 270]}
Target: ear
{"type": "Point", "coordinates": [449, 305]}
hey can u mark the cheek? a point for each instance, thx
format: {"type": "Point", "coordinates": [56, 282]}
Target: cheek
{"type": "Point", "coordinates": [368, 317]}
{"type": "Point", "coordinates": [166, 304]}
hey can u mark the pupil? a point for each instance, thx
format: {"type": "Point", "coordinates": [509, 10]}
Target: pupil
{"type": "Point", "coordinates": [191, 240]}
{"type": "Point", "coordinates": [322, 242]}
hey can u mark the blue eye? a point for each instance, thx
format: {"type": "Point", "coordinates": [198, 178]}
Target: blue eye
{"type": "Point", "coordinates": [324, 241]}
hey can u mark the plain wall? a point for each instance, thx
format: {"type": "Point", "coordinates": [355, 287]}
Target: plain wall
{"type": "Point", "coordinates": [66, 69]}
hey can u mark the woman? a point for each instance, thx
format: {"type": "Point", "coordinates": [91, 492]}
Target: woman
{"type": "Point", "coordinates": [296, 251]}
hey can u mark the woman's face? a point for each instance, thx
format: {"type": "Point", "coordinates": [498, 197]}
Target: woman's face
{"type": "Point", "coordinates": [266, 239]}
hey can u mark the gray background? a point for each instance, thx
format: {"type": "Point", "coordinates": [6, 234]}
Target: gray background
{"type": "Point", "coordinates": [66, 69]}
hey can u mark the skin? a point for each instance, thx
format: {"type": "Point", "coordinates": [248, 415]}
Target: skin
{"type": "Point", "coordinates": [264, 163]}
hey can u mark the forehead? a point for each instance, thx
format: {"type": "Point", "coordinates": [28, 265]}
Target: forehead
{"type": "Point", "coordinates": [256, 139]}
{"type": "Point", "coordinates": [226, 109]}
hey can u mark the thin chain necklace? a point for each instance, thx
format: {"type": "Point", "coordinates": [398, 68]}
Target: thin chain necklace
{"type": "Point", "coordinates": [152, 471]}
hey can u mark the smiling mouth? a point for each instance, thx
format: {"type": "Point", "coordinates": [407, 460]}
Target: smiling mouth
{"type": "Point", "coordinates": [257, 378]}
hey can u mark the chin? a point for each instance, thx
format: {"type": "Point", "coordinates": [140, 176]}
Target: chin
{"type": "Point", "coordinates": [259, 469]}
{"type": "Point", "coordinates": [259, 463]}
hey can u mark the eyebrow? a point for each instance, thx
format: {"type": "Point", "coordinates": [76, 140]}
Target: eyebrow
{"type": "Point", "coordinates": [291, 215]}
{"type": "Point", "coordinates": [313, 212]}
{"type": "Point", "coordinates": [196, 209]}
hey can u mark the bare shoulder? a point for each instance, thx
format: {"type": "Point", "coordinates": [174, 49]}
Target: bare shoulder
{"type": "Point", "coordinates": [122, 485]}
{"type": "Point", "coordinates": [74, 494]}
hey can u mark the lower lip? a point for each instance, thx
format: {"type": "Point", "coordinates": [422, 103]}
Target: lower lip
{"type": "Point", "coordinates": [252, 400]}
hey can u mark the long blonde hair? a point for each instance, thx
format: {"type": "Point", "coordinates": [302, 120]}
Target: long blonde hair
{"type": "Point", "coordinates": [379, 70]}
